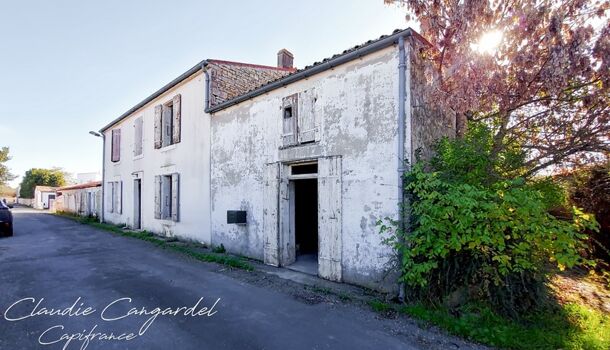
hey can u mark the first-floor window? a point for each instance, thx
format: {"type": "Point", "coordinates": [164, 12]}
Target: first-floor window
{"type": "Point", "coordinates": [166, 196]}
{"type": "Point", "coordinates": [115, 197]}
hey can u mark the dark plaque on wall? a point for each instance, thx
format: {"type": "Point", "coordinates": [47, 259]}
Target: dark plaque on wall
{"type": "Point", "coordinates": [236, 217]}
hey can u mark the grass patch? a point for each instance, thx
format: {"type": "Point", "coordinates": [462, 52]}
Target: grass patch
{"type": "Point", "coordinates": [193, 252]}
{"type": "Point", "coordinates": [213, 257]}
{"type": "Point", "coordinates": [570, 326]}
{"type": "Point", "coordinates": [322, 290]}
{"type": "Point", "coordinates": [379, 306]}
{"type": "Point", "coordinates": [220, 249]}
{"type": "Point", "coordinates": [344, 297]}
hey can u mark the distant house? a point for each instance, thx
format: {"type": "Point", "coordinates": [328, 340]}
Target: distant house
{"type": "Point", "coordinates": [83, 199]}
{"type": "Point", "coordinates": [290, 167]}
{"type": "Point", "coordinates": [44, 197]}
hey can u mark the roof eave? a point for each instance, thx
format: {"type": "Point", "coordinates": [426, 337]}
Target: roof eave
{"type": "Point", "coordinates": [331, 63]}
{"type": "Point", "coordinates": [199, 66]}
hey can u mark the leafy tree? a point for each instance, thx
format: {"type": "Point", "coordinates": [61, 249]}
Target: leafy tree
{"type": "Point", "coordinates": [5, 174]}
{"type": "Point", "coordinates": [480, 235]}
{"type": "Point", "coordinates": [41, 177]}
{"type": "Point", "coordinates": [589, 188]}
{"type": "Point", "coordinates": [546, 84]}
{"type": "Point", "coordinates": [6, 191]}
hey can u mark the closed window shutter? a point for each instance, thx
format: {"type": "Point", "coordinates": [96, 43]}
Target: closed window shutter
{"type": "Point", "coordinates": [116, 145]}
{"type": "Point", "coordinates": [176, 128]}
{"type": "Point", "coordinates": [307, 122]}
{"type": "Point", "coordinates": [157, 197]}
{"type": "Point", "coordinates": [166, 197]}
{"type": "Point", "coordinates": [138, 125]}
{"type": "Point", "coordinates": [289, 119]}
{"type": "Point", "coordinates": [119, 197]}
{"type": "Point", "coordinates": [110, 197]}
{"type": "Point", "coordinates": [175, 196]}
{"type": "Point", "coordinates": [166, 138]}
{"type": "Point", "coordinates": [158, 126]}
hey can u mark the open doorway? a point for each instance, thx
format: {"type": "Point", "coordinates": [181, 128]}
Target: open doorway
{"type": "Point", "coordinates": [305, 221]}
{"type": "Point", "coordinates": [137, 205]}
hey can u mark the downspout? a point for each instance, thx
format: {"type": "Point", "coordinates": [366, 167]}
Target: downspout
{"type": "Point", "coordinates": [401, 153]}
{"type": "Point", "coordinates": [103, 175]}
{"type": "Point", "coordinates": [206, 107]}
{"type": "Point", "coordinates": [207, 87]}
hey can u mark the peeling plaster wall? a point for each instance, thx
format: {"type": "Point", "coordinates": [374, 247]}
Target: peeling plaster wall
{"type": "Point", "coordinates": [356, 112]}
{"type": "Point", "coordinates": [189, 158]}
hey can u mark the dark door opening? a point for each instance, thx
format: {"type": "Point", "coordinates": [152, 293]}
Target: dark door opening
{"type": "Point", "coordinates": [306, 223]}
{"type": "Point", "coordinates": [137, 186]}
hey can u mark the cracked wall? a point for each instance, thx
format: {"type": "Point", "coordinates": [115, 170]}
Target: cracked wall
{"type": "Point", "coordinates": [356, 113]}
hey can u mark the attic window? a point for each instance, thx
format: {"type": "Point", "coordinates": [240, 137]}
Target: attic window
{"type": "Point", "coordinates": [288, 112]}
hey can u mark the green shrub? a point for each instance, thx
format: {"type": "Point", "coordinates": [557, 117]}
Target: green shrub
{"type": "Point", "coordinates": [477, 230]}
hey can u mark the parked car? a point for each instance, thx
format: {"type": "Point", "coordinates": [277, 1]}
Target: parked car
{"type": "Point", "coordinates": [6, 220]}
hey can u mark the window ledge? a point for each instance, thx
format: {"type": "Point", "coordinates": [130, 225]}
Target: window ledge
{"type": "Point", "coordinates": [116, 163]}
{"type": "Point", "coordinates": [138, 156]}
{"type": "Point", "coordinates": [300, 145]}
{"type": "Point", "coordinates": [168, 148]}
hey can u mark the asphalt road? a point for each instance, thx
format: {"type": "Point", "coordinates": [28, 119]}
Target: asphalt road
{"type": "Point", "coordinates": [63, 263]}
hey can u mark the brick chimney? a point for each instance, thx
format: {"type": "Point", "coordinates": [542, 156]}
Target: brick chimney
{"type": "Point", "coordinates": [284, 59]}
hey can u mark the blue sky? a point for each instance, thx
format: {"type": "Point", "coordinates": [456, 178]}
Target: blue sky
{"type": "Point", "coordinates": [67, 67]}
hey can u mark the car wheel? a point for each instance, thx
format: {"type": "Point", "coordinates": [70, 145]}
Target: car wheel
{"type": "Point", "coordinates": [10, 231]}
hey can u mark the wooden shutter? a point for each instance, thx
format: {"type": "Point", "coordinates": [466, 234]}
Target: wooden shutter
{"type": "Point", "coordinates": [290, 107]}
{"type": "Point", "coordinates": [166, 197]}
{"type": "Point", "coordinates": [138, 126]}
{"type": "Point", "coordinates": [166, 122]}
{"type": "Point", "coordinates": [286, 213]}
{"type": "Point", "coordinates": [157, 197]}
{"type": "Point", "coordinates": [158, 126]}
{"type": "Point", "coordinates": [176, 129]}
{"type": "Point", "coordinates": [270, 214]}
{"type": "Point", "coordinates": [119, 197]}
{"type": "Point", "coordinates": [175, 196]}
{"type": "Point", "coordinates": [116, 145]}
{"type": "Point", "coordinates": [307, 122]}
{"type": "Point", "coordinates": [110, 197]}
{"type": "Point", "coordinates": [329, 218]}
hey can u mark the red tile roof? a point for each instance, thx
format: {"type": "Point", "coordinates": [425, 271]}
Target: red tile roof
{"type": "Point", "coordinates": [81, 186]}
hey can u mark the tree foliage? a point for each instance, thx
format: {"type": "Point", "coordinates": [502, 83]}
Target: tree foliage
{"type": "Point", "coordinates": [40, 177]}
{"type": "Point", "coordinates": [5, 174]}
{"type": "Point", "coordinates": [589, 188]}
{"type": "Point", "coordinates": [545, 85]}
{"type": "Point", "coordinates": [489, 233]}
{"type": "Point", "coordinates": [6, 191]}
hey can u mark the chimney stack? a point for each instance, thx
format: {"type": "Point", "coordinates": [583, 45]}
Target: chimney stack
{"type": "Point", "coordinates": [284, 59]}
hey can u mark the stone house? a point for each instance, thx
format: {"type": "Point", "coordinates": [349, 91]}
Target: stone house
{"type": "Point", "coordinates": [291, 167]}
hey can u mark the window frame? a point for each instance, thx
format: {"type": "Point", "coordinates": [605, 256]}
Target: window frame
{"type": "Point", "coordinates": [115, 134]}
{"type": "Point", "coordinates": [139, 120]}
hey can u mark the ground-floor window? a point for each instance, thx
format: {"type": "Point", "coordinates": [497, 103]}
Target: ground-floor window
{"type": "Point", "coordinates": [115, 197]}
{"type": "Point", "coordinates": [166, 196]}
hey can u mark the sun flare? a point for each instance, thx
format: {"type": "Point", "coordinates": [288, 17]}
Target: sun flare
{"type": "Point", "coordinates": [489, 42]}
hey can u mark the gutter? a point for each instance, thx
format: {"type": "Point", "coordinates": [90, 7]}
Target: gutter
{"type": "Point", "coordinates": [305, 73]}
{"type": "Point", "coordinates": [207, 86]}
